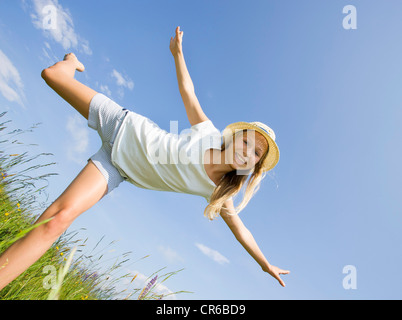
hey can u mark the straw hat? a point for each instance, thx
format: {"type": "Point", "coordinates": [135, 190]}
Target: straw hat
{"type": "Point", "coordinates": [273, 154]}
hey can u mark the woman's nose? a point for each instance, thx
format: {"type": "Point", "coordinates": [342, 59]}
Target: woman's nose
{"type": "Point", "coordinates": [249, 151]}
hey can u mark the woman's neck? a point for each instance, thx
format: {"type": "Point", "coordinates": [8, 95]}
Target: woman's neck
{"type": "Point", "coordinates": [215, 166]}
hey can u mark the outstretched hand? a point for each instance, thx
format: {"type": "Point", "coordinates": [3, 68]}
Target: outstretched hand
{"type": "Point", "coordinates": [275, 272]}
{"type": "Point", "coordinates": [176, 42]}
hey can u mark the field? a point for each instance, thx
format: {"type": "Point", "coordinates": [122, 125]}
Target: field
{"type": "Point", "coordinates": [66, 271]}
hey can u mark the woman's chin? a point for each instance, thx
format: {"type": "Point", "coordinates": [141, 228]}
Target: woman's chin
{"type": "Point", "coordinates": [241, 168]}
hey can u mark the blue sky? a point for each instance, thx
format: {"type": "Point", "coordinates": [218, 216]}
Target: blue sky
{"type": "Point", "coordinates": [332, 95]}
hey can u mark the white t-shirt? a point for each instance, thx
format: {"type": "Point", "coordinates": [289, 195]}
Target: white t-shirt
{"type": "Point", "coordinates": [152, 158]}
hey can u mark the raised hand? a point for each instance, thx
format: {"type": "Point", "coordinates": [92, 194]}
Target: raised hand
{"type": "Point", "coordinates": [176, 42]}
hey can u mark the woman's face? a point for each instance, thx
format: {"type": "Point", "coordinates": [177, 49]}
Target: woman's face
{"type": "Point", "coordinates": [249, 147]}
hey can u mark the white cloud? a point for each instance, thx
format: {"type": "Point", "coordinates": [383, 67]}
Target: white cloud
{"type": "Point", "coordinates": [79, 141]}
{"type": "Point", "coordinates": [11, 86]}
{"type": "Point", "coordinates": [122, 81]}
{"type": "Point", "coordinates": [170, 255]}
{"type": "Point", "coordinates": [56, 23]}
{"type": "Point", "coordinates": [105, 89]}
{"type": "Point", "coordinates": [213, 254]}
{"type": "Point", "coordinates": [48, 55]}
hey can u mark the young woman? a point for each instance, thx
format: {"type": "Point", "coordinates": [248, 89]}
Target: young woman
{"type": "Point", "coordinates": [135, 149]}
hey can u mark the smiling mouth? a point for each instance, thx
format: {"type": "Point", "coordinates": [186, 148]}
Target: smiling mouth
{"type": "Point", "coordinates": [239, 159]}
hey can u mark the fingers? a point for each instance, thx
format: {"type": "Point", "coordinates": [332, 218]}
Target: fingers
{"type": "Point", "coordinates": [279, 279]}
{"type": "Point", "coordinates": [178, 32]}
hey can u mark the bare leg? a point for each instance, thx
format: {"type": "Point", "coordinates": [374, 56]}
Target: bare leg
{"type": "Point", "coordinates": [60, 77]}
{"type": "Point", "coordinates": [85, 190]}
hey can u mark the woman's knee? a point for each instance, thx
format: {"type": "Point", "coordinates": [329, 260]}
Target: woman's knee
{"type": "Point", "coordinates": [49, 75]}
{"type": "Point", "coordinates": [56, 72]}
{"type": "Point", "coordinates": [59, 222]}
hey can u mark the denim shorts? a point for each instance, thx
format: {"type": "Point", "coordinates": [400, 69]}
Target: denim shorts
{"type": "Point", "coordinates": [106, 117]}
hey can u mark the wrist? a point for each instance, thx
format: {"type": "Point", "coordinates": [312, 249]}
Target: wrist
{"type": "Point", "coordinates": [265, 266]}
{"type": "Point", "coordinates": [178, 54]}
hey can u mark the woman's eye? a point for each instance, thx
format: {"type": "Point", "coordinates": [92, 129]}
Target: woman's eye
{"type": "Point", "coordinates": [245, 141]}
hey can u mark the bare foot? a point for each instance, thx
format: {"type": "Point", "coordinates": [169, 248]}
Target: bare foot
{"type": "Point", "coordinates": [71, 56]}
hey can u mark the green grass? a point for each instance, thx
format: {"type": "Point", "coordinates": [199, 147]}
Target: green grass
{"type": "Point", "coordinates": [66, 271]}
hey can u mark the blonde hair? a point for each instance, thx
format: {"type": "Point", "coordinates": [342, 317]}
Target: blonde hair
{"type": "Point", "coordinates": [231, 183]}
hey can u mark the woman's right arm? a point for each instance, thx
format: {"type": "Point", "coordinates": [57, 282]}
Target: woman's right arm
{"type": "Point", "coordinates": [246, 239]}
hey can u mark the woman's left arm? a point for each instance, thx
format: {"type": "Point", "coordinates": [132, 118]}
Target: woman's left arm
{"type": "Point", "coordinates": [246, 239]}
{"type": "Point", "coordinates": [194, 110]}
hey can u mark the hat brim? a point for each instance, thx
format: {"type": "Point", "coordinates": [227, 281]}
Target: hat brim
{"type": "Point", "coordinates": [272, 157]}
